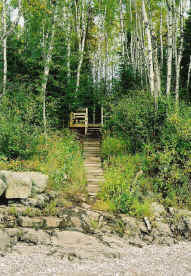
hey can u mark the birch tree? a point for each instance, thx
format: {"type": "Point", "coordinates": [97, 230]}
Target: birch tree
{"type": "Point", "coordinates": [47, 63]}
{"type": "Point", "coordinates": [5, 33]}
{"type": "Point", "coordinates": [122, 29]}
{"type": "Point", "coordinates": [81, 13]}
{"type": "Point", "coordinates": [169, 45]}
{"type": "Point", "coordinates": [150, 50]}
{"type": "Point", "coordinates": [189, 74]}
{"type": "Point", "coordinates": [179, 52]}
{"type": "Point", "coordinates": [4, 45]}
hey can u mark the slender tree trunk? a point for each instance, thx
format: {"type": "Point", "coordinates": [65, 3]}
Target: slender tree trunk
{"type": "Point", "coordinates": [4, 46]}
{"type": "Point", "coordinates": [81, 37]}
{"type": "Point", "coordinates": [157, 71]}
{"type": "Point", "coordinates": [68, 26]}
{"type": "Point", "coordinates": [161, 40]}
{"type": "Point", "coordinates": [189, 74]}
{"type": "Point", "coordinates": [47, 69]}
{"type": "Point", "coordinates": [170, 50]}
{"type": "Point", "coordinates": [122, 29]}
{"type": "Point", "coordinates": [150, 50]}
{"type": "Point", "coordinates": [68, 54]}
{"type": "Point", "coordinates": [180, 52]}
{"type": "Point", "coordinates": [16, 21]}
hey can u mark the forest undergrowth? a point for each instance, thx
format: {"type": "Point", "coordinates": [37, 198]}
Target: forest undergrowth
{"type": "Point", "coordinates": [24, 147]}
{"type": "Point", "coordinates": [146, 153]}
{"type": "Point", "coordinates": [146, 156]}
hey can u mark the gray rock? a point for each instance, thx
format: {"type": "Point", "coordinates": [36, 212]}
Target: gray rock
{"type": "Point", "coordinates": [131, 221]}
{"type": "Point", "coordinates": [18, 184]}
{"type": "Point", "coordinates": [12, 232]}
{"type": "Point", "coordinates": [39, 181]}
{"type": "Point", "coordinates": [157, 209]}
{"type": "Point", "coordinates": [76, 222]}
{"type": "Point", "coordinates": [36, 201]}
{"type": "Point", "coordinates": [148, 238]}
{"type": "Point", "coordinates": [30, 222]}
{"type": "Point", "coordinates": [187, 221]}
{"type": "Point", "coordinates": [163, 229]}
{"type": "Point", "coordinates": [3, 186]}
{"type": "Point", "coordinates": [33, 236]}
{"type": "Point", "coordinates": [143, 228]}
{"type": "Point", "coordinates": [179, 212]}
{"type": "Point", "coordinates": [5, 241]}
{"type": "Point", "coordinates": [164, 241]}
{"type": "Point", "coordinates": [136, 241]}
{"type": "Point", "coordinates": [51, 222]}
{"type": "Point", "coordinates": [182, 212]}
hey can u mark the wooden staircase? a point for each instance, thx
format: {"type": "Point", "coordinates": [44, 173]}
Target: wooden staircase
{"type": "Point", "coordinates": [92, 163]}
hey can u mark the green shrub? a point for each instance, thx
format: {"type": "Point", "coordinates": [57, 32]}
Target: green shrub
{"type": "Point", "coordinates": [17, 138]}
{"type": "Point", "coordinates": [169, 162]}
{"type": "Point", "coordinates": [122, 186]}
{"type": "Point", "coordinates": [134, 117]}
{"type": "Point", "coordinates": [19, 127]}
{"type": "Point", "coordinates": [113, 146]}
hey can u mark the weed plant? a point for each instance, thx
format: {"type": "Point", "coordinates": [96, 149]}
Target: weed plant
{"type": "Point", "coordinates": [146, 156]}
{"type": "Point", "coordinates": [60, 157]}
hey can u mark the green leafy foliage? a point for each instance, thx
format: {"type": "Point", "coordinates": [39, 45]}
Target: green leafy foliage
{"type": "Point", "coordinates": [162, 168]}
{"type": "Point", "coordinates": [19, 127]}
{"type": "Point", "coordinates": [112, 146]}
{"type": "Point", "coordinates": [123, 177]}
{"type": "Point", "coordinates": [135, 119]}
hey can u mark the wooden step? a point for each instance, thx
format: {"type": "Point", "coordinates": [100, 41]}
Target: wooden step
{"type": "Point", "coordinates": [91, 149]}
{"type": "Point", "coordinates": [89, 173]}
{"type": "Point", "coordinates": [91, 143]}
{"type": "Point", "coordinates": [93, 189]}
{"type": "Point", "coordinates": [92, 172]}
{"type": "Point", "coordinates": [92, 152]}
{"type": "Point", "coordinates": [95, 183]}
{"type": "Point", "coordinates": [92, 164]}
{"type": "Point", "coordinates": [94, 159]}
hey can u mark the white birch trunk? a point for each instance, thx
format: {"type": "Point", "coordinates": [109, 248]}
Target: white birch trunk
{"type": "Point", "coordinates": [4, 46]}
{"type": "Point", "coordinates": [150, 50]}
{"type": "Point", "coordinates": [68, 54]}
{"type": "Point", "coordinates": [170, 46]}
{"type": "Point", "coordinates": [180, 53]}
{"type": "Point", "coordinates": [189, 74]}
{"type": "Point", "coordinates": [14, 24]}
{"type": "Point", "coordinates": [47, 69]}
{"type": "Point", "coordinates": [81, 20]}
{"type": "Point", "coordinates": [122, 29]}
{"type": "Point", "coordinates": [67, 25]}
{"type": "Point", "coordinates": [161, 39]}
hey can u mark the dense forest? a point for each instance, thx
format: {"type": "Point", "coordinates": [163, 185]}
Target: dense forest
{"type": "Point", "coordinates": [133, 57]}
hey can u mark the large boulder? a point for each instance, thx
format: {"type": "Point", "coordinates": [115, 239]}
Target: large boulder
{"type": "Point", "coordinates": [39, 181]}
{"type": "Point", "coordinates": [157, 209]}
{"type": "Point", "coordinates": [5, 240]}
{"type": "Point", "coordinates": [20, 185]}
{"type": "Point", "coordinates": [3, 186]}
{"type": "Point", "coordinates": [33, 236]}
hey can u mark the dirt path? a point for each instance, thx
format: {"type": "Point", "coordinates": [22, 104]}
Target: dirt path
{"type": "Point", "coordinates": [92, 163]}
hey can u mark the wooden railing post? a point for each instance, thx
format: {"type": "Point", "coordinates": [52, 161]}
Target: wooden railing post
{"type": "Point", "coordinates": [102, 122]}
{"type": "Point", "coordinates": [86, 122]}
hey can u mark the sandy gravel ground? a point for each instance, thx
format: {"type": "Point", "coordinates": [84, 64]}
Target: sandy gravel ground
{"type": "Point", "coordinates": [150, 260]}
